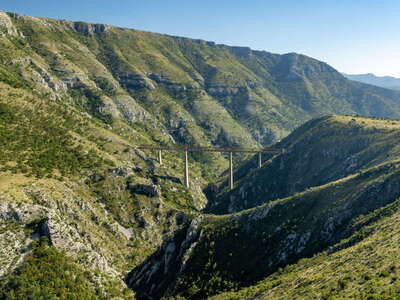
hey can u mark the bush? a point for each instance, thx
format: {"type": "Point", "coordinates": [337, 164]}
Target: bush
{"type": "Point", "coordinates": [48, 274]}
{"type": "Point", "coordinates": [37, 141]}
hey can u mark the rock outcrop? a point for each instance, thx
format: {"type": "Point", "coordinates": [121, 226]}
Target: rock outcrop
{"type": "Point", "coordinates": [170, 259]}
{"type": "Point", "coordinates": [89, 29]}
{"type": "Point", "coordinates": [136, 81]}
{"type": "Point", "coordinates": [6, 25]}
{"type": "Point", "coordinates": [144, 189]}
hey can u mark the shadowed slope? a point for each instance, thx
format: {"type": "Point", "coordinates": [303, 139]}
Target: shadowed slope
{"type": "Point", "coordinates": [224, 252]}
{"type": "Point", "coordinates": [318, 152]}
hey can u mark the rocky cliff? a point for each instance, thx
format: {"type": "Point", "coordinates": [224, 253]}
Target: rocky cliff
{"type": "Point", "coordinates": [230, 251]}
{"type": "Point", "coordinates": [197, 91]}
{"type": "Point", "coordinates": [320, 151]}
{"type": "Point", "coordinates": [75, 191]}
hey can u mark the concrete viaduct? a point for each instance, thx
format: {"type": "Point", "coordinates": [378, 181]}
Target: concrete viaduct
{"type": "Point", "coordinates": [211, 149]}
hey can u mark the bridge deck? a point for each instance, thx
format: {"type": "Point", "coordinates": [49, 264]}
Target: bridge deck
{"type": "Point", "coordinates": [212, 149]}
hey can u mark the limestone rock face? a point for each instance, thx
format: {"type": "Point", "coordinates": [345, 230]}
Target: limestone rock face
{"type": "Point", "coordinates": [245, 52]}
{"type": "Point", "coordinates": [6, 25]}
{"type": "Point", "coordinates": [120, 172]}
{"type": "Point", "coordinates": [222, 90]}
{"type": "Point", "coordinates": [132, 113]}
{"type": "Point", "coordinates": [174, 86]}
{"type": "Point", "coordinates": [61, 221]}
{"type": "Point", "coordinates": [73, 82]}
{"type": "Point", "coordinates": [170, 259]}
{"type": "Point", "coordinates": [20, 212]}
{"type": "Point", "coordinates": [136, 81]}
{"type": "Point", "coordinates": [13, 244]}
{"type": "Point", "coordinates": [69, 239]}
{"type": "Point", "coordinates": [46, 79]}
{"type": "Point", "coordinates": [89, 29]}
{"type": "Point", "coordinates": [151, 190]}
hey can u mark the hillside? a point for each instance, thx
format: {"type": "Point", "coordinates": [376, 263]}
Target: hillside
{"type": "Point", "coordinates": [198, 92]}
{"type": "Point", "coordinates": [320, 151]}
{"type": "Point", "coordinates": [85, 214]}
{"type": "Point", "coordinates": [226, 252]}
{"type": "Point", "coordinates": [387, 82]}
{"type": "Point", "coordinates": [69, 183]}
{"type": "Point", "coordinates": [363, 266]}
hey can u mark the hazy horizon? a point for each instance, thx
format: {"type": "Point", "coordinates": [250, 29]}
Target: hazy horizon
{"type": "Point", "coordinates": [354, 38]}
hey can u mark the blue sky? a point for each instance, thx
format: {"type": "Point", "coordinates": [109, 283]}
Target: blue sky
{"type": "Point", "coordinates": [354, 36]}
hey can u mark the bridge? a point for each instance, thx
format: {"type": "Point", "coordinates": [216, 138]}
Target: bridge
{"type": "Point", "coordinates": [211, 149]}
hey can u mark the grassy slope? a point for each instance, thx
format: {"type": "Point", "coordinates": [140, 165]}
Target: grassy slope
{"type": "Point", "coordinates": [48, 274]}
{"type": "Point", "coordinates": [325, 150]}
{"type": "Point", "coordinates": [291, 229]}
{"type": "Point", "coordinates": [363, 266]}
{"type": "Point", "coordinates": [240, 249]}
{"type": "Point", "coordinates": [56, 165]}
{"type": "Point", "coordinates": [256, 97]}
{"type": "Point", "coordinates": [72, 136]}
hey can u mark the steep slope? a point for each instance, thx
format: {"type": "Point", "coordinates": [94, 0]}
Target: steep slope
{"type": "Point", "coordinates": [67, 177]}
{"type": "Point", "coordinates": [199, 91]}
{"type": "Point", "coordinates": [75, 101]}
{"type": "Point", "coordinates": [320, 151]}
{"type": "Point", "coordinates": [219, 253]}
{"type": "Point", "coordinates": [387, 82]}
{"type": "Point", "coordinates": [365, 266]}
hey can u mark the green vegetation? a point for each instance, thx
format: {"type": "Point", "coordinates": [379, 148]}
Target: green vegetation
{"type": "Point", "coordinates": [75, 100]}
{"type": "Point", "coordinates": [49, 274]}
{"type": "Point", "coordinates": [367, 267]}
{"type": "Point", "coordinates": [241, 249]}
{"type": "Point", "coordinates": [92, 102]}
{"type": "Point", "coordinates": [105, 86]}
{"type": "Point", "coordinates": [317, 148]}
{"type": "Point", "coordinates": [203, 93]}
{"type": "Point", "coordinates": [36, 140]}
{"type": "Point", "coordinates": [9, 78]}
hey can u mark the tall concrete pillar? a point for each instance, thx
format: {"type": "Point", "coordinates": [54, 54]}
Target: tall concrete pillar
{"type": "Point", "coordinates": [259, 159]}
{"type": "Point", "coordinates": [160, 157]}
{"type": "Point", "coordinates": [230, 171]}
{"type": "Point", "coordinates": [186, 169]}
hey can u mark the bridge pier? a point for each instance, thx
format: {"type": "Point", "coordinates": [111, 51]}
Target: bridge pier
{"type": "Point", "coordinates": [160, 157]}
{"type": "Point", "coordinates": [186, 169]}
{"type": "Point", "coordinates": [211, 149]}
{"type": "Point", "coordinates": [230, 171]}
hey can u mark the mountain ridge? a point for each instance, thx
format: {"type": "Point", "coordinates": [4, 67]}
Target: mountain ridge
{"type": "Point", "coordinates": [225, 252]}
{"type": "Point", "coordinates": [388, 82]}
{"type": "Point", "coordinates": [77, 99]}
{"type": "Point", "coordinates": [261, 96]}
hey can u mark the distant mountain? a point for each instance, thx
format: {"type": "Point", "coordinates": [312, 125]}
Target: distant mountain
{"type": "Point", "coordinates": [381, 81]}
